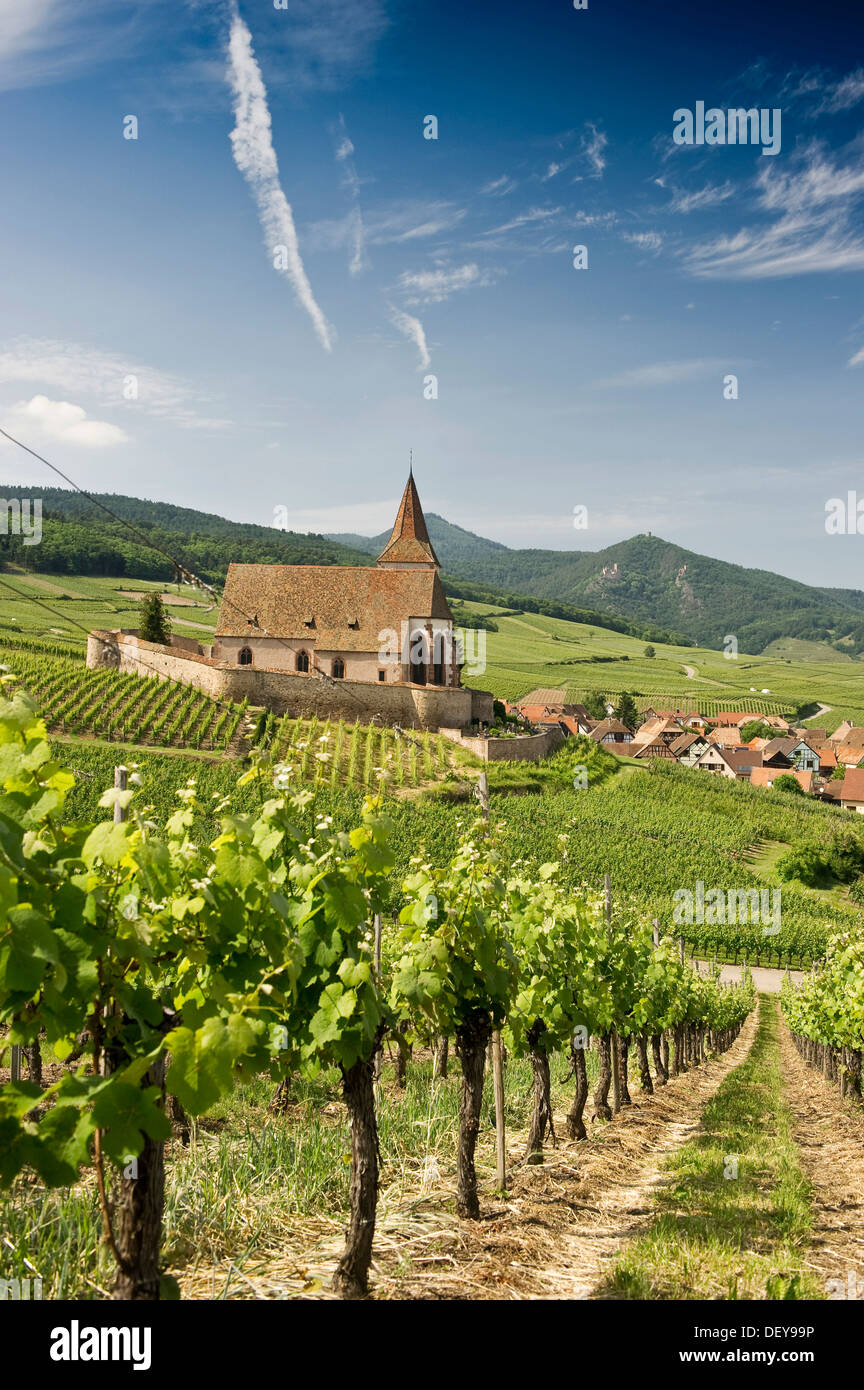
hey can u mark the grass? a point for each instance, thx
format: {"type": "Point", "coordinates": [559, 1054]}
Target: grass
{"type": "Point", "coordinates": [249, 1180]}
{"type": "Point", "coordinates": [718, 1235]}
{"type": "Point", "coordinates": [531, 650]}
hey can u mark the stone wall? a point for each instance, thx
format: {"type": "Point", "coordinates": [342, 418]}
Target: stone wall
{"type": "Point", "coordinates": [523, 748]}
{"type": "Point", "coordinates": [414, 706]}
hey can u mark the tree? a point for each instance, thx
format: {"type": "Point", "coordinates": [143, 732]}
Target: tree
{"type": "Point", "coordinates": [155, 624]}
{"type": "Point", "coordinates": [839, 773]}
{"type": "Point", "coordinates": [595, 705]}
{"type": "Point", "coordinates": [649, 651]}
{"type": "Point", "coordinates": [788, 783]}
{"type": "Point", "coordinates": [626, 710]}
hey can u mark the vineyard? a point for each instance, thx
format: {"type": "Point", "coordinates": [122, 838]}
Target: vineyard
{"type": "Point", "coordinates": [125, 708]}
{"type": "Point", "coordinates": [318, 955]}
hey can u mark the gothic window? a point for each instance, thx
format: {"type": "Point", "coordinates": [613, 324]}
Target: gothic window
{"type": "Point", "coordinates": [338, 668]}
{"type": "Point", "coordinates": [244, 656]}
{"type": "Point", "coordinates": [302, 661]}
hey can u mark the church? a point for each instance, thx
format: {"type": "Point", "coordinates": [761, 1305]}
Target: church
{"type": "Point", "coordinates": [383, 623]}
{"type": "Point", "coordinates": [364, 642]}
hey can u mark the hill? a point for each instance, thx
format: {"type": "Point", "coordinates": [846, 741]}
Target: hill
{"type": "Point", "coordinates": [644, 586]}
{"type": "Point", "coordinates": [649, 580]}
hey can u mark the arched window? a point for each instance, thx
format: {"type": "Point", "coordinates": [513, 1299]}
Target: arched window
{"type": "Point", "coordinates": [302, 661]}
{"type": "Point", "coordinates": [244, 656]}
{"type": "Point", "coordinates": [338, 668]}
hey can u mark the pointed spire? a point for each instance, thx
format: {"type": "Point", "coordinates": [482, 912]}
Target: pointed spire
{"type": "Point", "coordinates": [409, 543]}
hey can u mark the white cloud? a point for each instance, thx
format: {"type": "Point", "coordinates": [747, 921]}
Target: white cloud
{"type": "Point", "coordinates": [411, 220]}
{"type": "Point", "coordinates": [413, 330]}
{"type": "Point", "coordinates": [53, 40]}
{"type": "Point", "coordinates": [523, 219]}
{"type": "Point", "coordinates": [857, 360]}
{"type": "Point", "coordinates": [433, 286]}
{"type": "Point", "coordinates": [105, 377]}
{"type": "Point", "coordinates": [344, 153]}
{"type": "Point", "coordinates": [594, 143]}
{"type": "Point", "coordinates": [62, 422]}
{"type": "Point", "coordinates": [666, 373]}
{"type": "Point", "coordinates": [646, 241]}
{"type": "Point", "coordinates": [813, 232]}
{"type": "Point", "coordinates": [498, 187]}
{"type": "Point", "coordinates": [360, 518]}
{"type": "Point", "coordinates": [255, 157]}
{"type": "Point", "coordinates": [843, 95]}
{"type": "Point", "coordinates": [705, 197]}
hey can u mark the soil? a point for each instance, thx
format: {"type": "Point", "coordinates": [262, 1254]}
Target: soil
{"type": "Point", "coordinates": [829, 1131]}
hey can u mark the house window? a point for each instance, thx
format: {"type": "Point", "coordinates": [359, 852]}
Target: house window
{"type": "Point", "coordinates": [302, 661]}
{"type": "Point", "coordinates": [338, 668]}
{"type": "Point", "coordinates": [244, 656]}
{"type": "Point", "coordinates": [438, 673]}
{"type": "Point", "coordinates": [382, 675]}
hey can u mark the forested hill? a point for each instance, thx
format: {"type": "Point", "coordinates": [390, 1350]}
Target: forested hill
{"type": "Point", "coordinates": [640, 585]}
{"type": "Point", "coordinates": [649, 580]}
{"type": "Point", "coordinates": [78, 538]}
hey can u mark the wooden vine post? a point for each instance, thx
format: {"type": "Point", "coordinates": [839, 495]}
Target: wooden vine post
{"type": "Point", "coordinates": [614, 1042]}
{"type": "Point", "coordinates": [497, 1048]}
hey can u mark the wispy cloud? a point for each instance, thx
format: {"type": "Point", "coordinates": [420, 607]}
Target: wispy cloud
{"type": "Point", "coordinates": [813, 230]}
{"type": "Point", "coordinates": [646, 241]}
{"type": "Point", "coordinates": [413, 331]}
{"type": "Point", "coordinates": [498, 187]}
{"type": "Point", "coordinates": [594, 144]}
{"type": "Point", "coordinates": [395, 223]}
{"type": "Point", "coordinates": [344, 155]}
{"type": "Point", "coordinates": [107, 378]}
{"type": "Point", "coordinates": [52, 40]}
{"type": "Point", "coordinates": [255, 157]}
{"type": "Point", "coordinates": [60, 422]}
{"type": "Point", "coordinates": [433, 286]}
{"type": "Point", "coordinates": [709, 196]}
{"type": "Point", "coordinates": [857, 359]}
{"type": "Point", "coordinates": [666, 373]}
{"type": "Point", "coordinates": [523, 219]}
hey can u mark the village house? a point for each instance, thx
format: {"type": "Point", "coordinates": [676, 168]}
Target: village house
{"type": "Point", "coordinates": [735, 763]}
{"type": "Point", "coordinates": [851, 794]}
{"type": "Point", "coordinates": [611, 730]}
{"type": "Point", "coordinates": [767, 776]}
{"type": "Point", "coordinates": [688, 747]}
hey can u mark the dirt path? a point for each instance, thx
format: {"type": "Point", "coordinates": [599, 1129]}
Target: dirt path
{"type": "Point", "coordinates": [829, 1132]}
{"type": "Point", "coordinates": [690, 672]}
{"type": "Point", "coordinates": [564, 1221]}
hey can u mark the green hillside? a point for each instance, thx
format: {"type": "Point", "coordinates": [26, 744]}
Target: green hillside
{"type": "Point", "coordinates": [650, 580]}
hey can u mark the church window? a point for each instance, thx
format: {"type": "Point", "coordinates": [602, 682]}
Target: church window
{"type": "Point", "coordinates": [244, 656]}
{"type": "Point", "coordinates": [338, 668]}
{"type": "Point", "coordinates": [302, 661]}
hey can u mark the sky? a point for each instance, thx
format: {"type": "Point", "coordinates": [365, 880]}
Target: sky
{"type": "Point", "coordinates": [279, 287]}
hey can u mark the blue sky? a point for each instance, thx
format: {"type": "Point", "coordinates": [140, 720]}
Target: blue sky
{"type": "Point", "coordinates": [303, 386]}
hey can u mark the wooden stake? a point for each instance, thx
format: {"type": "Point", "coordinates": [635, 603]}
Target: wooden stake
{"type": "Point", "coordinates": [120, 778]}
{"type": "Point", "coordinates": [15, 1063]}
{"type": "Point", "coordinates": [377, 920]}
{"type": "Point", "coordinates": [681, 949]}
{"type": "Point", "coordinates": [656, 927]}
{"type": "Point", "coordinates": [498, 1084]}
{"type": "Point", "coordinates": [615, 1048]}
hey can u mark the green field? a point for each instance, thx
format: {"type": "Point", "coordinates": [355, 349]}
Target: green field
{"type": "Point", "coordinates": [527, 651]}
{"type": "Point", "coordinates": [531, 650]}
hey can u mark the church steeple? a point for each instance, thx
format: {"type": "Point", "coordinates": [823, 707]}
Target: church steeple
{"type": "Point", "coordinates": [409, 546]}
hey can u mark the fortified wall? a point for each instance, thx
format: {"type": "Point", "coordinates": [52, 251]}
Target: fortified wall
{"type": "Point", "coordinates": [286, 692]}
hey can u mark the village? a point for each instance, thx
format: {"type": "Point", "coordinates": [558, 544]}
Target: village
{"type": "Point", "coordinates": [745, 746]}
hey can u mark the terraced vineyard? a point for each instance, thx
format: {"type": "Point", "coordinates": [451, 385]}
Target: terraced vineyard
{"type": "Point", "coordinates": [129, 709]}
{"type": "Point", "coordinates": [361, 755]}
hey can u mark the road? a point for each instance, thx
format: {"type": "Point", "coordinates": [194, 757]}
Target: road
{"type": "Point", "coordinates": [767, 979]}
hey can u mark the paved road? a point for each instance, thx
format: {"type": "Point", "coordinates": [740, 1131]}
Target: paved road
{"type": "Point", "coordinates": [767, 979]}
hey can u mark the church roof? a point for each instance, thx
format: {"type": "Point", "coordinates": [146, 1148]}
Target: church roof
{"type": "Point", "coordinates": [334, 607]}
{"type": "Point", "coordinates": [409, 541]}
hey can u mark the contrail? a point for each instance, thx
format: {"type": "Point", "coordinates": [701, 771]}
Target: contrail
{"type": "Point", "coordinates": [413, 329]}
{"type": "Point", "coordinates": [255, 157]}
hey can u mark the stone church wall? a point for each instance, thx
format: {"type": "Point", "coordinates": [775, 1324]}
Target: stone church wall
{"type": "Point", "coordinates": [414, 706]}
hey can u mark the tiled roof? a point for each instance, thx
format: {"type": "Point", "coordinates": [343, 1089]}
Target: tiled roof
{"type": "Point", "coordinates": [852, 786]}
{"type": "Point", "coordinates": [334, 607]}
{"type": "Point", "coordinates": [767, 776]}
{"type": "Point", "coordinates": [608, 726]}
{"type": "Point", "coordinates": [409, 541]}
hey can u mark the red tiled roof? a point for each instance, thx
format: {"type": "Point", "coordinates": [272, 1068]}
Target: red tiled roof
{"type": "Point", "coordinates": [767, 776]}
{"type": "Point", "coordinates": [284, 598]}
{"type": "Point", "coordinates": [852, 786]}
